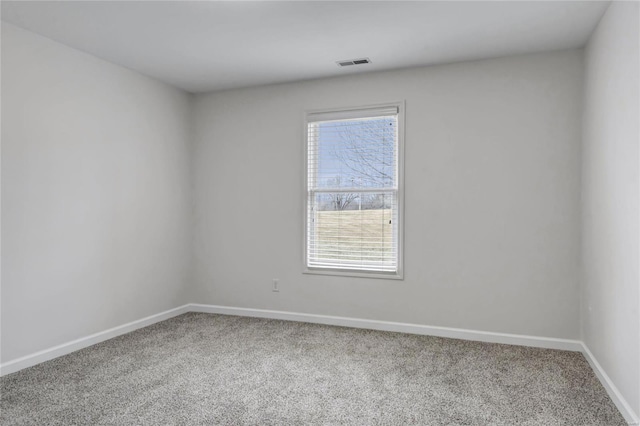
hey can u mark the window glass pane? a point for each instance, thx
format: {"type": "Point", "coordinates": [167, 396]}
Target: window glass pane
{"type": "Point", "coordinates": [359, 153]}
{"type": "Point", "coordinates": [353, 230]}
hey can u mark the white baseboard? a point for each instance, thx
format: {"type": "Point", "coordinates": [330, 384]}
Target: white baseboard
{"type": "Point", "coordinates": [66, 348]}
{"type": "Point", "coordinates": [454, 333]}
{"type": "Point", "coordinates": [623, 406]}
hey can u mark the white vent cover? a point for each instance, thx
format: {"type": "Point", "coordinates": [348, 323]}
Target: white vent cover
{"type": "Point", "coordinates": [348, 62]}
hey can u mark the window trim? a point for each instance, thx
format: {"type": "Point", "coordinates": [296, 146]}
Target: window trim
{"type": "Point", "coordinates": [397, 275]}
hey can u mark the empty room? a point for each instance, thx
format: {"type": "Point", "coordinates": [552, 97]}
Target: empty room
{"type": "Point", "coordinates": [320, 213]}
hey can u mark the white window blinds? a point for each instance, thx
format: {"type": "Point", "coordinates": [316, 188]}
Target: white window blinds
{"type": "Point", "coordinates": [352, 190]}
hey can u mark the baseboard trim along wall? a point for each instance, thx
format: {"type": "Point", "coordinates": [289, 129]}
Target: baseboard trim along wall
{"type": "Point", "coordinates": [454, 333]}
{"type": "Point", "coordinates": [84, 342]}
{"type": "Point", "coordinates": [426, 330]}
{"type": "Point", "coordinates": [615, 395]}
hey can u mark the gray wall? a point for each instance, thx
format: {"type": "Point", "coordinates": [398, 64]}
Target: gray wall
{"type": "Point", "coordinates": [96, 225]}
{"type": "Point", "coordinates": [492, 196]}
{"type": "Point", "coordinates": [610, 278]}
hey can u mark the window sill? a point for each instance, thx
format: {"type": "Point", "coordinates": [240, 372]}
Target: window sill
{"type": "Point", "coordinates": [356, 274]}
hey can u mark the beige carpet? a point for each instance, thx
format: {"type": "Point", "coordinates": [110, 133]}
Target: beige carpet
{"type": "Point", "coordinates": [202, 369]}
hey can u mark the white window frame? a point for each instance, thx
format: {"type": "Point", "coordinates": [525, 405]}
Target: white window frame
{"type": "Point", "coordinates": [344, 113]}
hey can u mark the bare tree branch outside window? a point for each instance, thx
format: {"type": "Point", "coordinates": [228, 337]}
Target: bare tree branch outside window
{"type": "Point", "coordinates": [357, 154]}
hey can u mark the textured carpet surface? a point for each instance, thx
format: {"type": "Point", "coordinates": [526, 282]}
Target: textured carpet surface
{"type": "Point", "coordinates": [224, 370]}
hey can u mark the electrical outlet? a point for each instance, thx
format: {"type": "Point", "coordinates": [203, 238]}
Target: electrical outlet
{"type": "Point", "coordinates": [275, 286]}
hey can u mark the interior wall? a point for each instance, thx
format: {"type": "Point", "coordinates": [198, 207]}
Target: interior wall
{"type": "Point", "coordinates": [96, 201]}
{"type": "Point", "coordinates": [492, 196]}
{"type": "Point", "coordinates": [610, 190]}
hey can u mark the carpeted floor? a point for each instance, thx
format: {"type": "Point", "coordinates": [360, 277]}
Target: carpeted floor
{"type": "Point", "coordinates": [199, 369]}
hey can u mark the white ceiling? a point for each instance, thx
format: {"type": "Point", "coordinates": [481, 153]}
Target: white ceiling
{"type": "Point", "coordinates": [205, 46]}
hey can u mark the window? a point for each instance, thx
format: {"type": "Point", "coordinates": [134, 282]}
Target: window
{"type": "Point", "coordinates": [354, 192]}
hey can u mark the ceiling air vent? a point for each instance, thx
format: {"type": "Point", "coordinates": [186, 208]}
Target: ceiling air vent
{"type": "Point", "coordinates": [353, 62]}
